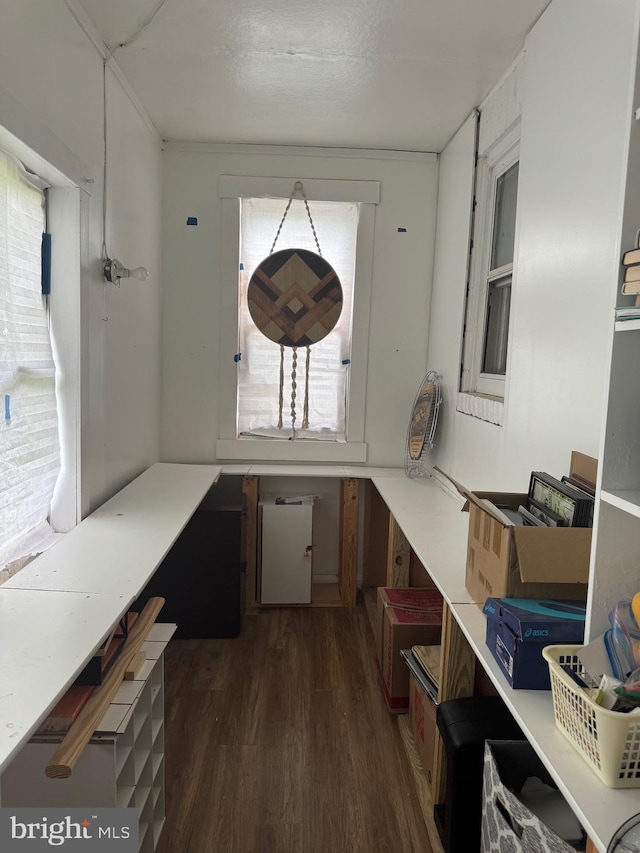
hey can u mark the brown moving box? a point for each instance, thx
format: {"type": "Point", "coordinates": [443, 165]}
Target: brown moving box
{"type": "Point", "coordinates": [525, 562]}
{"type": "Point", "coordinates": [406, 618]}
{"type": "Point", "coordinates": [422, 713]}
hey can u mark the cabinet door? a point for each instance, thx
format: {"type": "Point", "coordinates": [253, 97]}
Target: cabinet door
{"type": "Point", "coordinates": [200, 577]}
{"type": "Point", "coordinates": [286, 555]}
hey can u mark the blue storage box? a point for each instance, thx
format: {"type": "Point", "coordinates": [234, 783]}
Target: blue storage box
{"type": "Point", "coordinates": [517, 630]}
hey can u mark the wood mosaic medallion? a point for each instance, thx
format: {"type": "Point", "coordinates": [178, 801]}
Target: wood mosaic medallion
{"type": "Point", "coordinates": [295, 297]}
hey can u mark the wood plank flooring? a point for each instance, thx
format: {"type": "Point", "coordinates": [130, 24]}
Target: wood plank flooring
{"type": "Point", "coordinates": [279, 741]}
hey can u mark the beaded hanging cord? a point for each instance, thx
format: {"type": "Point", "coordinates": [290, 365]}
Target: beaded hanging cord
{"type": "Point", "coordinates": [299, 190]}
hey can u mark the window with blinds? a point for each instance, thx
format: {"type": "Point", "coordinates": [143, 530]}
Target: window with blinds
{"type": "Point", "coordinates": [29, 446]}
{"type": "Point", "coordinates": [336, 224]}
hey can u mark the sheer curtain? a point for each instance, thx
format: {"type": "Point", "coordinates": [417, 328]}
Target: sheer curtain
{"type": "Point", "coordinates": [29, 449]}
{"type": "Point", "coordinates": [336, 225]}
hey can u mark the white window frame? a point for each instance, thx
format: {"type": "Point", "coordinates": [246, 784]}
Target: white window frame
{"type": "Point", "coordinates": [491, 166]}
{"type": "Point", "coordinates": [231, 189]}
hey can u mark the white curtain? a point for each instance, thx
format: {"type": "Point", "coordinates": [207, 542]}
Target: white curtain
{"type": "Point", "coordinates": [336, 225]}
{"type": "Point", "coordinates": [29, 448]}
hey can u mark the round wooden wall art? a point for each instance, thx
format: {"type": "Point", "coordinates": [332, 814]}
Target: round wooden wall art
{"type": "Point", "coordinates": [295, 297]}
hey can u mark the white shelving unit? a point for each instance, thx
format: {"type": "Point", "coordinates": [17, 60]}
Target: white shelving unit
{"type": "Point", "coordinates": [123, 764]}
{"type": "Point", "coordinates": [615, 564]}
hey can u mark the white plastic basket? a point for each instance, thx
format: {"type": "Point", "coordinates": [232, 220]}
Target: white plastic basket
{"type": "Point", "coordinates": [608, 740]}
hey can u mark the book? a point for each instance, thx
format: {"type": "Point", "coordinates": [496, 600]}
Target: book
{"type": "Point", "coordinates": [631, 288]}
{"type": "Point", "coordinates": [574, 507]}
{"type": "Point", "coordinates": [632, 273]}
{"type": "Point", "coordinates": [631, 257]}
{"type": "Point", "coordinates": [632, 313]}
{"type": "Point", "coordinates": [63, 714]}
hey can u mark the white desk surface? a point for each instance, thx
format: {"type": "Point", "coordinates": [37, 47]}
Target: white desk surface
{"type": "Point", "coordinates": [56, 611]}
{"type": "Point", "coordinates": [599, 809]}
{"type": "Point", "coordinates": [45, 636]}
{"type": "Point", "coordinates": [45, 639]}
{"type": "Point", "coordinates": [298, 470]}
{"type": "Point", "coordinates": [437, 530]}
{"type": "Point", "coordinates": [121, 544]}
{"type": "Point", "coordinates": [433, 522]}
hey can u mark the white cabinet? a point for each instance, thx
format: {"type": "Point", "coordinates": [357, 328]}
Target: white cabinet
{"type": "Point", "coordinates": [286, 548]}
{"type": "Point", "coordinates": [123, 764]}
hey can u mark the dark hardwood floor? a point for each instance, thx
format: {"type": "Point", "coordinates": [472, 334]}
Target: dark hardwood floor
{"type": "Point", "coordinates": [279, 741]}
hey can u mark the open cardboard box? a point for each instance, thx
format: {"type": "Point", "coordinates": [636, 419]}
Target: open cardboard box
{"type": "Point", "coordinates": [525, 562]}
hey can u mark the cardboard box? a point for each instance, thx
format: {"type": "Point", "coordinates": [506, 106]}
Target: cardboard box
{"type": "Point", "coordinates": [519, 628]}
{"type": "Point", "coordinates": [422, 714]}
{"type": "Point", "coordinates": [405, 618]}
{"type": "Point", "coordinates": [525, 562]}
{"type": "Point", "coordinates": [507, 765]}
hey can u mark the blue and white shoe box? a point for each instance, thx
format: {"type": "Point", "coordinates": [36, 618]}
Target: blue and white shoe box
{"type": "Point", "coordinates": [517, 630]}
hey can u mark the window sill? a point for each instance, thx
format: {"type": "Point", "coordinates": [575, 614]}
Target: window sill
{"type": "Point", "coordinates": [277, 450]}
{"type": "Point", "coordinates": [490, 409]}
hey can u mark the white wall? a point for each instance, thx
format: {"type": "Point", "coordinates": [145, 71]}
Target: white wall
{"type": "Point", "coordinates": [192, 319]}
{"type": "Point", "coordinates": [576, 80]}
{"type": "Point", "coordinates": [51, 99]}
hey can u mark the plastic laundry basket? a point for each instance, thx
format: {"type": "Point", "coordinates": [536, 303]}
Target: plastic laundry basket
{"type": "Point", "coordinates": [608, 740]}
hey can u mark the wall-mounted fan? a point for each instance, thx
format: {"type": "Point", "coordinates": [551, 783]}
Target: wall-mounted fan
{"type": "Point", "coordinates": [422, 424]}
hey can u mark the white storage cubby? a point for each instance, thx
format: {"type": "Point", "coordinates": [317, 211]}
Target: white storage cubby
{"type": "Point", "coordinates": [615, 565]}
{"type": "Point", "coordinates": [123, 764]}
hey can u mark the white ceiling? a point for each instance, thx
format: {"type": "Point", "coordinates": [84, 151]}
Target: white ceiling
{"type": "Point", "coordinates": [399, 74]}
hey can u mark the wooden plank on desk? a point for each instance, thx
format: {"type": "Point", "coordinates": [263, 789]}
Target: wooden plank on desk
{"type": "Point", "coordinates": [348, 557]}
{"type": "Point", "coordinates": [457, 670]}
{"type": "Point", "coordinates": [398, 555]}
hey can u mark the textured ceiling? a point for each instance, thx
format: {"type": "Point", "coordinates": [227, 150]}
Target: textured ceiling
{"type": "Point", "coordinates": [400, 74]}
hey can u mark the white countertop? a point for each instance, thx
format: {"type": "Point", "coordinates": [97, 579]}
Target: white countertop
{"type": "Point", "coordinates": [45, 639]}
{"type": "Point", "coordinates": [58, 609]}
{"type": "Point", "coordinates": [56, 612]}
{"type": "Point", "coordinates": [432, 521]}
{"type": "Point", "coordinates": [120, 545]}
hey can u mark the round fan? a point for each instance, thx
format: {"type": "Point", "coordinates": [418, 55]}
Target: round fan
{"type": "Point", "coordinates": [422, 424]}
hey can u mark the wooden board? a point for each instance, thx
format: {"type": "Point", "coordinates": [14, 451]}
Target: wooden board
{"type": "Point", "coordinates": [250, 514]}
{"type": "Point", "coordinates": [376, 537]}
{"type": "Point", "coordinates": [457, 670]}
{"type": "Point", "coordinates": [133, 668]}
{"type": "Point", "coordinates": [348, 548]}
{"type": "Point", "coordinates": [420, 781]}
{"type": "Point", "coordinates": [398, 554]}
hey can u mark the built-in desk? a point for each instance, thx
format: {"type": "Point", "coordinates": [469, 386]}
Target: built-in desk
{"type": "Point", "coordinates": [431, 520]}
{"type": "Point", "coordinates": [57, 611]}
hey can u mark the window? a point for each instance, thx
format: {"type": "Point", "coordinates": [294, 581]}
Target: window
{"type": "Point", "coordinates": [486, 333]}
{"type": "Point", "coordinates": [29, 446]}
{"type": "Point", "coordinates": [251, 206]}
{"type": "Point", "coordinates": [336, 224]}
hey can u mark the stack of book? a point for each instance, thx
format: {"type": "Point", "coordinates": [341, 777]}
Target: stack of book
{"type": "Point", "coordinates": [567, 502]}
{"type": "Point", "coordinates": [630, 285]}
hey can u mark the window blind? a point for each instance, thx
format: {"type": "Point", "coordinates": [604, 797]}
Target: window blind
{"type": "Point", "coordinates": [336, 224]}
{"type": "Point", "coordinates": [29, 447]}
